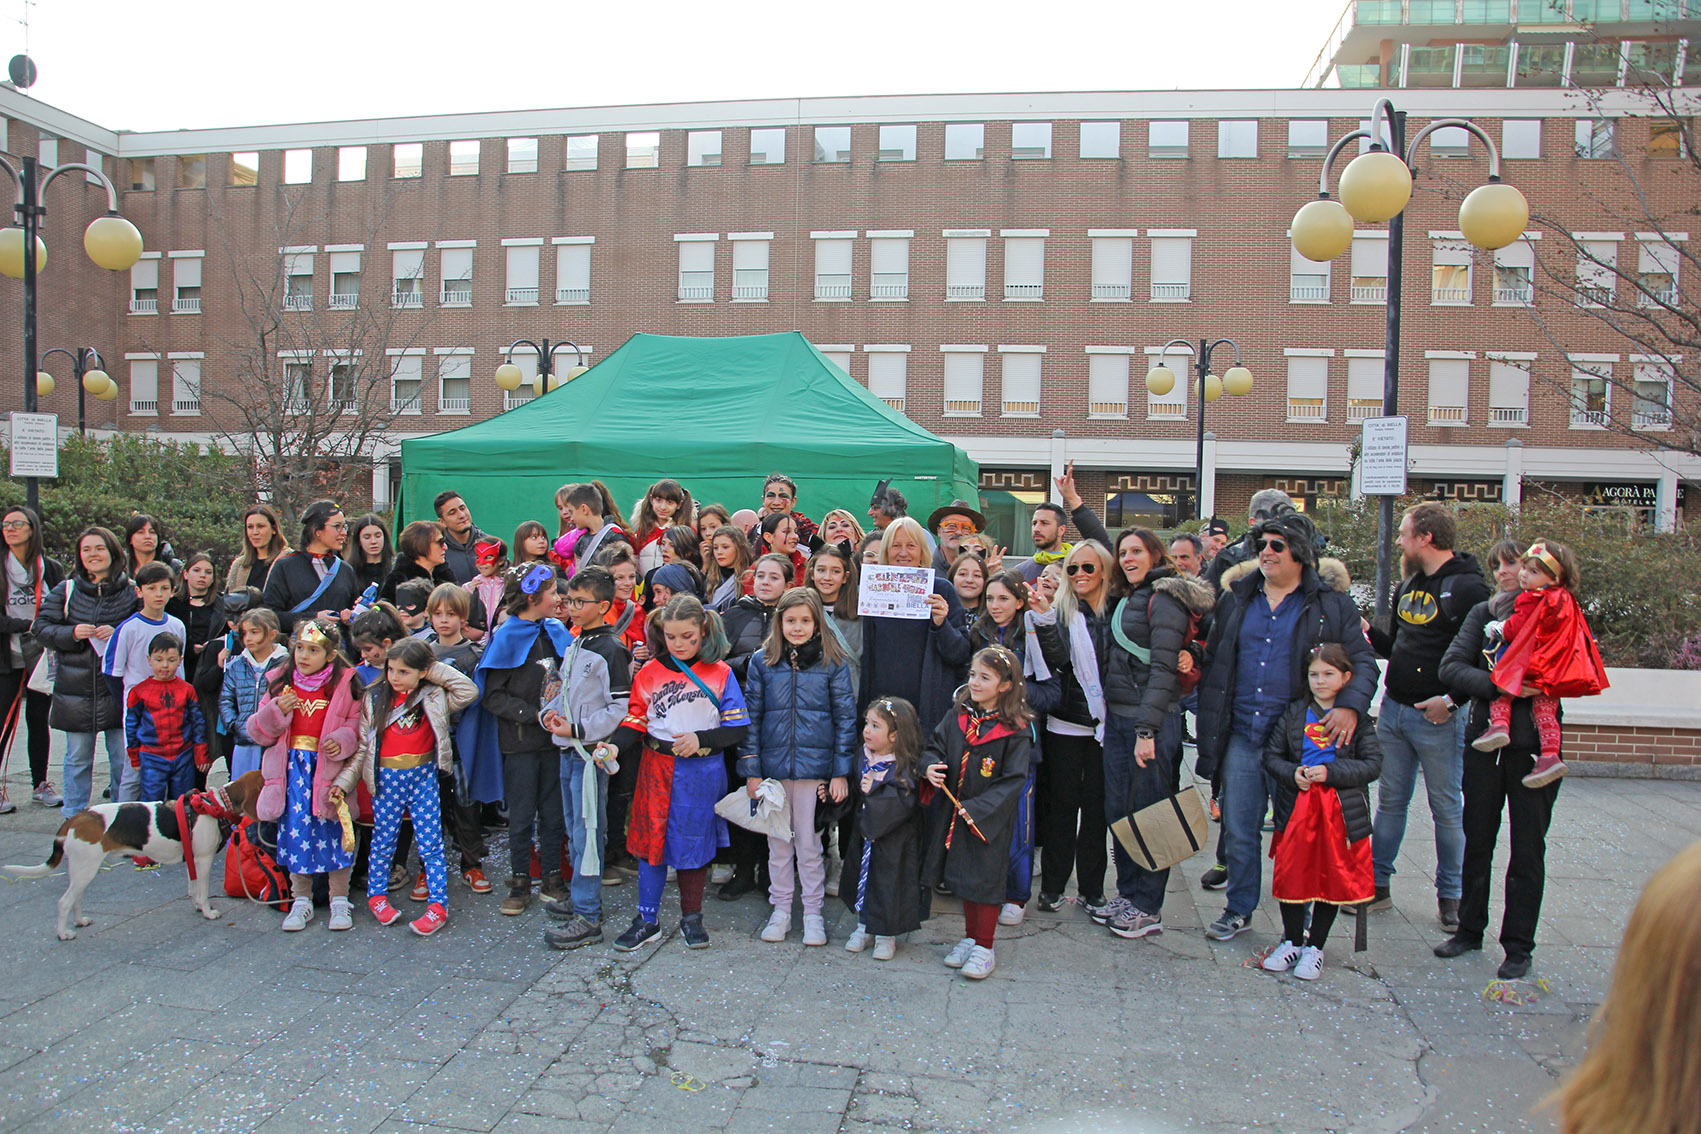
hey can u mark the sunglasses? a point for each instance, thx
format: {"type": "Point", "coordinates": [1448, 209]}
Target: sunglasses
{"type": "Point", "coordinates": [1275, 545]}
{"type": "Point", "coordinates": [1082, 568]}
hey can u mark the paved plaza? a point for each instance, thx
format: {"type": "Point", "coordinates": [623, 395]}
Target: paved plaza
{"type": "Point", "coordinates": [154, 1019]}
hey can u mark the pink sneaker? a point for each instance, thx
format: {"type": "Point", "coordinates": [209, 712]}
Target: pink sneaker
{"type": "Point", "coordinates": [1493, 737]}
{"type": "Point", "coordinates": [382, 911]}
{"type": "Point", "coordinates": [434, 918]}
{"type": "Point", "coordinates": [1548, 768]}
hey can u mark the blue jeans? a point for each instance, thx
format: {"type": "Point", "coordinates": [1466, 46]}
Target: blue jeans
{"type": "Point", "coordinates": [79, 767]}
{"type": "Point", "coordinates": [586, 889]}
{"type": "Point", "coordinates": [1246, 795]}
{"type": "Point", "coordinates": [1408, 743]}
{"type": "Point", "coordinates": [1127, 786]}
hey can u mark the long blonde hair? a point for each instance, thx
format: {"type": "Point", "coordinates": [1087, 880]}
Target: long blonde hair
{"type": "Point", "coordinates": [1068, 602]}
{"type": "Point", "coordinates": [1642, 1074]}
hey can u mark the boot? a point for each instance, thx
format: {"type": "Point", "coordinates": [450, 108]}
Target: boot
{"type": "Point", "coordinates": [554, 888]}
{"type": "Point", "coordinates": [519, 895]}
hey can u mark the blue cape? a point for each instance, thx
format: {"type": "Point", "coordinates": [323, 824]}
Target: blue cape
{"type": "Point", "coordinates": [481, 756]}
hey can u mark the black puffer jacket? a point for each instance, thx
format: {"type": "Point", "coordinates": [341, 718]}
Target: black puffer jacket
{"type": "Point", "coordinates": [1155, 616]}
{"type": "Point", "coordinates": [1355, 766]}
{"type": "Point", "coordinates": [51, 575]}
{"type": "Point", "coordinates": [746, 629]}
{"type": "Point", "coordinates": [81, 699]}
{"type": "Point", "coordinates": [405, 569]}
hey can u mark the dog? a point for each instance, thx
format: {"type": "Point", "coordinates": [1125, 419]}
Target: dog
{"type": "Point", "coordinates": [148, 829]}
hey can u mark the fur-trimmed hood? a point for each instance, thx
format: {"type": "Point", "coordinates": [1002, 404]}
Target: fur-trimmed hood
{"type": "Point", "coordinates": [1331, 571]}
{"type": "Point", "coordinates": [1191, 591]}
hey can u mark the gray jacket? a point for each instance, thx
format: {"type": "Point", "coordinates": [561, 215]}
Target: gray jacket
{"type": "Point", "coordinates": [587, 697]}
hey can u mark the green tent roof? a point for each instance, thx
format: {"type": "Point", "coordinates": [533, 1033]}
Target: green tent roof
{"type": "Point", "coordinates": [717, 414]}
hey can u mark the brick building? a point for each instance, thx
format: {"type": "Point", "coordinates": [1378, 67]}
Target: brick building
{"type": "Point", "coordinates": [1003, 268]}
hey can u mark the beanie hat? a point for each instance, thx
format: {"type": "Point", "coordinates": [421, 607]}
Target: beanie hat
{"type": "Point", "coordinates": [675, 577]}
{"type": "Point", "coordinates": [1298, 530]}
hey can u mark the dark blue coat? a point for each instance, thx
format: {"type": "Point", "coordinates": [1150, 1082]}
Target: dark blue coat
{"type": "Point", "coordinates": [803, 720]}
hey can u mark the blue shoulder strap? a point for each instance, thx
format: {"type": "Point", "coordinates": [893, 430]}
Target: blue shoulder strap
{"type": "Point", "coordinates": [306, 604]}
{"type": "Point", "coordinates": [698, 682]}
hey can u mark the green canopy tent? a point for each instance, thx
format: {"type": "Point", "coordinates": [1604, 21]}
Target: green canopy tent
{"type": "Point", "coordinates": [717, 414]}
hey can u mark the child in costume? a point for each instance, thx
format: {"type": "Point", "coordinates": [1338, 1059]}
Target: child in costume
{"type": "Point", "coordinates": [405, 741]}
{"type": "Point", "coordinates": [686, 707]}
{"type": "Point", "coordinates": [1550, 650]}
{"type": "Point", "coordinates": [802, 733]}
{"type": "Point", "coordinates": [309, 722]}
{"type": "Point", "coordinates": [448, 608]}
{"type": "Point", "coordinates": [979, 753]}
{"type": "Point", "coordinates": [491, 559]}
{"type": "Point", "coordinates": [164, 730]}
{"type": "Point", "coordinates": [245, 678]}
{"type": "Point", "coordinates": [882, 872]}
{"type": "Point", "coordinates": [1319, 791]}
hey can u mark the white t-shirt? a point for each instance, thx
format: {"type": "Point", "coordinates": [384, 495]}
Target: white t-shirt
{"type": "Point", "coordinates": [127, 649]}
{"type": "Point", "coordinates": [20, 601]}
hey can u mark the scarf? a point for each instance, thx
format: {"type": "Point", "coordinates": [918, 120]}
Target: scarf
{"type": "Point", "coordinates": [804, 656]}
{"type": "Point", "coordinates": [1041, 558]}
{"type": "Point", "coordinates": [311, 681]}
{"type": "Point", "coordinates": [1082, 659]}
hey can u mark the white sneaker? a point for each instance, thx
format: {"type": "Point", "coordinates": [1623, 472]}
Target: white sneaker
{"type": "Point", "coordinates": [1012, 914]}
{"type": "Point", "coordinates": [300, 913]}
{"type": "Point", "coordinates": [1282, 957]}
{"type": "Point", "coordinates": [885, 948]}
{"type": "Point", "coordinates": [47, 795]}
{"type": "Point", "coordinates": [959, 954]}
{"type": "Point", "coordinates": [980, 964]}
{"type": "Point", "coordinates": [6, 805]}
{"type": "Point", "coordinates": [1310, 963]}
{"type": "Point", "coordinates": [779, 924]}
{"type": "Point", "coordinates": [858, 940]}
{"type": "Point", "coordinates": [719, 875]}
{"type": "Point", "coordinates": [342, 915]}
{"type": "Point", "coordinates": [814, 929]}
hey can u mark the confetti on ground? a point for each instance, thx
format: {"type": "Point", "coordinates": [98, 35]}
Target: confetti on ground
{"type": "Point", "coordinates": [1516, 992]}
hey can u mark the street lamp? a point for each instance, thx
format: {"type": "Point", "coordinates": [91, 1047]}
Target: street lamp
{"type": "Point", "coordinates": [1207, 387]}
{"type": "Point", "coordinates": [91, 376]}
{"type": "Point", "coordinates": [111, 242]}
{"type": "Point", "coordinates": [1376, 187]}
{"type": "Point", "coordinates": [511, 377]}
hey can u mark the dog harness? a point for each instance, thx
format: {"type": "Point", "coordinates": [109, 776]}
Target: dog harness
{"type": "Point", "coordinates": [214, 802]}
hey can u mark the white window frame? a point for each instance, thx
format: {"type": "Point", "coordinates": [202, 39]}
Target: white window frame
{"type": "Point", "coordinates": [144, 384]}
{"type": "Point", "coordinates": [454, 364]}
{"type": "Point", "coordinates": [1590, 369]}
{"type": "Point", "coordinates": [1520, 255]}
{"type": "Point", "coordinates": [1509, 389]}
{"type": "Point", "coordinates": [573, 270]}
{"type": "Point", "coordinates": [455, 256]}
{"type": "Point", "coordinates": [1650, 370]}
{"type": "Point", "coordinates": [1171, 248]}
{"type": "Point", "coordinates": [888, 373]}
{"type": "Point", "coordinates": [144, 276]}
{"type": "Point", "coordinates": [1301, 129]}
{"type": "Point", "coordinates": [294, 364]}
{"type": "Point", "coordinates": [897, 142]}
{"type": "Point", "coordinates": [186, 383]}
{"type": "Point", "coordinates": [1369, 262]}
{"type": "Point", "coordinates": [965, 377]}
{"type": "Point", "coordinates": [1173, 405]}
{"type": "Point", "coordinates": [965, 249]}
{"type": "Point", "coordinates": [518, 162]}
{"type": "Point", "coordinates": [1521, 139]}
{"type": "Point", "coordinates": [1024, 264]}
{"type": "Point", "coordinates": [1107, 140]}
{"type": "Point", "coordinates": [835, 253]}
{"type": "Point", "coordinates": [643, 149]}
{"type": "Point", "coordinates": [1030, 141]}
{"type": "Point", "coordinates": [1366, 375]}
{"type": "Point", "coordinates": [1449, 369]}
{"type": "Point", "coordinates": [298, 167]}
{"type": "Point", "coordinates": [1303, 275]}
{"type": "Point", "coordinates": [768, 133]}
{"type": "Point", "coordinates": [1107, 384]}
{"type": "Point", "coordinates": [889, 265]}
{"type": "Point", "coordinates": [407, 274]}
{"type": "Point", "coordinates": [521, 258]}
{"type": "Point", "coordinates": [1113, 264]}
{"type": "Point", "coordinates": [410, 360]}
{"type": "Point", "coordinates": [403, 167]}
{"type": "Point", "coordinates": [186, 273]}
{"type": "Point", "coordinates": [837, 155]}
{"type": "Point", "coordinates": [580, 162]}
{"type": "Point", "coordinates": [1449, 252]}
{"type": "Point", "coordinates": [1308, 385]}
{"type": "Point", "coordinates": [1237, 138]}
{"type": "Point", "coordinates": [1658, 254]}
{"type": "Point", "coordinates": [701, 146]}
{"type": "Point", "coordinates": [345, 264]}
{"type": "Point", "coordinates": [1167, 138]}
{"type": "Point", "coordinates": [351, 163]}
{"type": "Point", "coordinates": [961, 137]}
{"type": "Point", "coordinates": [465, 155]}
{"type": "Point", "coordinates": [751, 256]}
{"type": "Point", "coordinates": [1021, 380]}
{"type": "Point", "coordinates": [839, 354]}
{"type": "Point", "coordinates": [696, 266]}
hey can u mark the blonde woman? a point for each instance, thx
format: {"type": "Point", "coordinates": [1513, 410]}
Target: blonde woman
{"type": "Point", "coordinates": [839, 526]}
{"type": "Point", "coordinates": [920, 660]}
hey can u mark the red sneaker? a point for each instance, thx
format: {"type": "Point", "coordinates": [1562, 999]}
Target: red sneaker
{"type": "Point", "coordinates": [142, 862]}
{"type": "Point", "coordinates": [1493, 737]}
{"type": "Point", "coordinates": [434, 918]}
{"type": "Point", "coordinates": [382, 911]}
{"type": "Point", "coordinates": [537, 864]}
{"type": "Point", "coordinates": [421, 890]}
{"type": "Point", "coordinates": [476, 881]}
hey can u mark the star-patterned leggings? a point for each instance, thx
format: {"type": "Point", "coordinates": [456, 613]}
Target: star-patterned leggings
{"type": "Point", "coordinates": [413, 790]}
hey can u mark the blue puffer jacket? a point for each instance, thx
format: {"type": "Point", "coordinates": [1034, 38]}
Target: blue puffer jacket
{"type": "Point", "coordinates": [803, 723]}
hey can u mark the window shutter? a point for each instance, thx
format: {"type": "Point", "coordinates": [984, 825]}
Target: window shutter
{"type": "Point", "coordinates": [1024, 262]}
{"type": "Point", "coordinates": [1595, 267]}
{"type": "Point", "coordinates": [1364, 379]}
{"type": "Point", "coordinates": [1022, 383]}
{"type": "Point", "coordinates": [696, 255]}
{"type": "Point", "coordinates": [832, 257]}
{"type": "Point", "coordinates": [407, 264]}
{"type": "Point", "coordinates": [457, 263]}
{"type": "Point", "coordinates": [839, 358]}
{"type": "Point", "coordinates": [186, 385]}
{"type": "Point", "coordinates": [1172, 260]}
{"type": "Point", "coordinates": [890, 257]}
{"type": "Point", "coordinates": [1237, 138]}
{"type": "Point", "coordinates": [343, 263]}
{"type": "Point", "coordinates": [1113, 265]}
{"type": "Point", "coordinates": [1518, 254]}
{"type": "Point", "coordinates": [1370, 258]}
{"type": "Point", "coordinates": [1449, 381]}
{"type": "Point", "coordinates": [965, 264]}
{"type": "Point", "coordinates": [187, 271]}
{"type": "Point", "coordinates": [1659, 257]}
{"type": "Point", "coordinates": [296, 264]}
{"type": "Point", "coordinates": [888, 376]}
{"type": "Point", "coordinates": [1107, 384]}
{"type": "Point", "coordinates": [963, 382]}
{"type": "Point", "coordinates": [1308, 378]}
{"type": "Point", "coordinates": [144, 384]}
{"type": "Point", "coordinates": [1452, 254]}
{"type": "Point", "coordinates": [750, 255]}
{"type": "Point", "coordinates": [144, 274]}
{"type": "Point", "coordinates": [573, 267]}
{"type": "Point", "coordinates": [1508, 386]}
{"type": "Point", "coordinates": [522, 267]}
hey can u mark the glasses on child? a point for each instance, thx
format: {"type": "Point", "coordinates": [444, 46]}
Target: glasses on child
{"type": "Point", "coordinates": [1082, 568]}
{"type": "Point", "coordinates": [1275, 545]}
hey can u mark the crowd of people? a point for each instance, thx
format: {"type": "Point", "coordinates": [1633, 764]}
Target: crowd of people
{"type": "Point", "coordinates": [609, 692]}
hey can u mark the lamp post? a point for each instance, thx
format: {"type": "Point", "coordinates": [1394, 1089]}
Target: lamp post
{"type": "Point", "coordinates": [111, 242]}
{"type": "Point", "coordinates": [511, 377]}
{"type": "Point", "coordinates": [91, 376]}
{"type": "Point", "coordinates": [1207, 387]}
{"type": "Point", "coordinates": [1376, 187]}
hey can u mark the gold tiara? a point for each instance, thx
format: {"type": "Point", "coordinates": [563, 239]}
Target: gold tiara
{"type": "Point", "coordinates": [312, 632]}
{"type": "Point", "coordinates": [1540, 553]}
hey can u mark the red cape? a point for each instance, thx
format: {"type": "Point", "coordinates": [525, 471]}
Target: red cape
{"type": "Point", "coordinates": [1552, 648]}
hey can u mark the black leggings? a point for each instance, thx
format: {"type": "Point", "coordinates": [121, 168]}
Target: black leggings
{"type": "Point", "coordinates": [1322, 918]}
{"type": "Point", "coordinates": [34, 711]}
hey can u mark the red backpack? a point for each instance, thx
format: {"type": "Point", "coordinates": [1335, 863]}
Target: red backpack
{"type": "Point", "coordinates": [251, 872]}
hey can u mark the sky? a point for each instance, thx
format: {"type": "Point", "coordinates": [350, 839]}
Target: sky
{"type": "Point", "coordinates": [205, 63]}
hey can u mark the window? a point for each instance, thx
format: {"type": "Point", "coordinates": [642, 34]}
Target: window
{"type": "Point", "coordinates": [1450, 142]}
{"type": "Point", "coordinates": [696, 270]}
{"type": "Point", "coordinates": [1508, 393]}
{"type": "Point", "coordinates": [1101, 140]}
{"type": "Point", "coordinates": [1665, 139]}
{"type": "Point", "coordinates": [839, 358]}
{"type": "Point", "coordinates": [1451, 276]}
{"type": "Point", "coordinates": [343, 389]}
{"type": "Point", "coordinates": [1364, 387]}
{"type": "Point", "coordinates": [897, 143]}
{"type": "Point", "coordinates": [965, 268]}
{"type": "Point", "coordinates": [703, 147]}
{"type": "Point", "coordinates": [144, 286]}
{"type": "Point", "coordinates": [832, 268]}
{"type": "Point", "coordinates": [1021, 382]}
{"type": "Point", "coordinates": [298, 281]}
{"type": "Point", "coordinates": [191, 171]}
{"type": "Point", "coordinates": [1172, 269]}
{"type": "Point", "coordinates": [1107, 385]}
{"type": "Point", "coordinates": [1024, 267]}
{"type": "Point", "coordinates": [526, 360]}
{"type": "Point", "coordinates": [1030, 141]}
{"type": "Point", "coordinates": [1387, 137]}
{"type": "Point", "coordinates": [144, 386]}
{"type": "Point", "coordinates": [245, 168]}
{"type": "Point", "coordinates": [407, 382]}
{"type": "Point", "coordinates": [522, 275]}
{"type": "Point", "coordinates": [643, 149]}
{"type": "Point", "coordinates": [1171, 406]}
{"type": "Point", "coordinates": [407, 277]}
{"type": "Point", "coordinates": [750, 268]}
{"type": "Point", "coordinates": [965, 141]}
{"type": "Point", "coordinates": [454, 382]}
{"type": "Point", "coordinates": [1657, 263]}
{"type": "Point", "coordinates": [573, 272]}
{"type": "Point", "coordinates": [1308, 137]}
{"type": "Point", "coordinates": [142, 173]}
{"type": "Point", "coordinates": [1652, 407]}
{"type": "Point", "coordinates": [1166, 139]}
{"type": "Point", "coordinates": [1308, 281]}
{"type": "Point", "coordinates": [463, 158]}
{"type": "Point", "coordinates": [1521, 138]}
{"type": "Point", "coordinates": [186, 284]}
{"type": "Point", "coordinates": [768, 146]}
{"type": "Point", "coordinates": [1591, 395]}
{"type": "Point", "coordinates": [186, 387]}
{"type": "Point", "coordinates": [47, 151]}
{"type": "Point", "coordinates": [1237, 138]}
{"type": "Point", "coordinates": [1540, 64]}
{"type": "Point", "coordinates": [345, 280]}
{"type": "Point", "coordinates": [888, 376]}
{"type": "Point", "coordinates": [964, 377]}
{"type": "Point", "coordinates": [1514, 266]}
{"type": "Point", "coordinates": [298, 167]}
{"type": "Point", "coordinates": [1113, 268]}
{"type": "Point", "coordinates": [407, 159]}
{"type": "Point", "coordinates": [1449, 390]}
{"type": "Point", "coordinates": [889, 267]}
{"type": "Point", "coordinates": [1593, 64]}
{"type": "Point", "coordinates": [298, 387]}
{"type": "Point", "coordinates": [1308, 388]}
{"type": "Point", "coordinates": [581, 152]}
{"type": "Point", "coordinates": [351, 163]}
{"type": "Point", "coordinates": [1595, 138]}
{"type": "Point", "coordinates": [1597, 270]}
{"type": "Point", "coordinates": [457, 269]}
{"type": "Point", "coordinates": [832, 143]}
{"type": "Point", "coordinates": [522, 155]}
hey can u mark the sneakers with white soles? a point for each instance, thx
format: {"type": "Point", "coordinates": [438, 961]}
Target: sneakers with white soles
{"type": "Point", "coordinates": [779, 924]}
{"type": "Point", "coordinates": [980, 964]}
{"type": "Point", "coordinates": [1310, 963]}
{"type": "Point", "coordinates": [1011, 914]}
{"type": "Point", "coordinates": [1282, 957]}
{"type": "Point", "coordinates": [959, 953]}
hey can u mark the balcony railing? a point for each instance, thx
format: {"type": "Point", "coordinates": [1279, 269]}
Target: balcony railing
{"type": "Point", "coordinates": [186, 406]}
{"type": "Point", "coordinates": [186, 305]}
{"type": "Point", "coordinates": [893, 288]}
{"type": "Point", "coordinates": [522, 295]}
{"type": "Point", "coordinates": [572, 295]}
{"type": "Point", "coordinates": [1024, 291]}
{"type": "Point", "coordinates": [298, 301]}
{"type": "Point", "coordinates": [837, 288]}
{"type": "Point", "coordinates": [1306, 409]}
{"type": "Point", "coordinates": [895, 403]}
{"type": "Point", "coordinates": [1658, 297]}
{"type": "Point", "coordinates": [348, 405]}
{"type": "Point", "coordinates": [964, 406]}
{"type": "Point", "coordinates": [965, 291]}
{"type": "Point", "coordinates": [345, 300]}
{"type": "Point", "coordinates": [1308, 293]}
{"type": "Point", "coordinates": [408, 405]}
{"type": "Point", "coordinates": [407, 299]}
{"type": "Point", "coordinates": [145, 406]}
{"type": "Point", "coordinates": [454, 405]}
{"type": "Point", "coordinates": [1509, 415]}
{"type": "Point", "coordinates": [1172, 290]}
{"type": "Point", "coordinates": [296, 404]}
{"type": "Point", "coordinates": [1112, 291]}
{"type": "Point", "coordinates": [1446, 415]}
{"type": "Point", "coordinates": [1588, 419]}
{"type": "Point", "coordinates": [1450, 295]}
{"type": "Point", "coordinates": [1166, 411]}
{"type": "Point", "coordinates": [750, 291]}
{"type": "Point", "coordinates": [1370, 293]}
{"type": "Point", "coordinates": [1107, 409]}
{"type": "Point", "coordinates": [512, 398]}
{"type": "Point", "coordinates": [1651, 419]}
{"type": "Point", "coordinates": [457, 296]}
{"type": "Point", "coordinates": [1360, 408]}
{"type": "Point", "coordinates": [1021, 409]}
{"type": "Point", "coordinates": [144, 306]}
{"type": "Point", "coordinates": [1514, 295]}
{"type": "Point", "coordinates": [696, 291]}
{"type": "Point", "coordinates": [1594, 295]}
